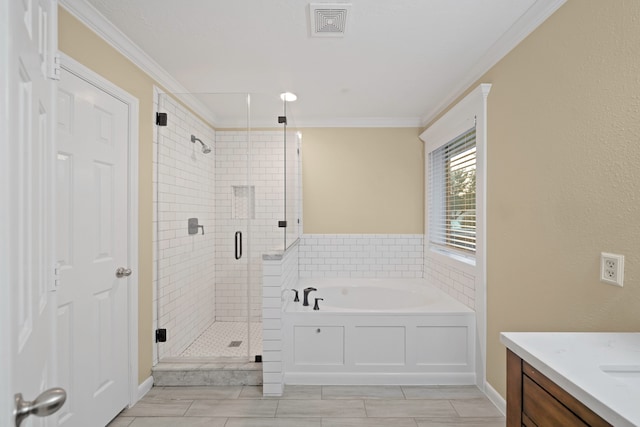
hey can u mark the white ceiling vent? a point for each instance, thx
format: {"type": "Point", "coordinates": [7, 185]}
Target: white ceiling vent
{"type": "Point", "coordinates": [328, 19]}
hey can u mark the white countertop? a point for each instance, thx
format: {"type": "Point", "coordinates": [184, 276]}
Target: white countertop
{"type": "Point", "coordinates": [575, 362]}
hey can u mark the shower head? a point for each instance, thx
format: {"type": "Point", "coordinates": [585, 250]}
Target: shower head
{"type": "Point", "coordinates": [205, 148]}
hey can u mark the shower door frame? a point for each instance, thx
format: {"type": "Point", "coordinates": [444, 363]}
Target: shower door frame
{"type": "Point", "coordinates": [169, 354]}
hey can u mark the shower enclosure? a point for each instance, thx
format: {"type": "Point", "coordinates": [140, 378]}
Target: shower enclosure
{"type": "Point", "coordinates": [227, 191]}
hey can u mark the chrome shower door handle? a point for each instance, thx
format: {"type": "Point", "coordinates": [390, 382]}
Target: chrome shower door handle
{"type": "Point", "coordinates": [123, 272]}
{"type": "Point", "coordinates": [47, 403]}
{"type": "Point", "coordinates": [238, 250]}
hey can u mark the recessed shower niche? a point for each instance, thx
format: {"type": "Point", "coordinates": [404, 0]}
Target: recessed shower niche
{"type": "Point", "coordinates": [208, 287]}
{"type": "Point", "coordinates": [243, 204]}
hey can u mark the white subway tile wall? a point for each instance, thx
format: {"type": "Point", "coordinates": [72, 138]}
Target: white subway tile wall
{"type": "Point", "coordinates": [264, 151]}
{"type": "Point", "coordinates": [458, 284]}
{"type": "Point", "coordinates": [361, 255]}
{"type": "Point", "coordinates": [184, 187]}
{"type": "Point", "coordinates": [279, 276]}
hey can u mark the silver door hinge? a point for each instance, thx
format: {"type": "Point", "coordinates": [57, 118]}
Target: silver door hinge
{"type": "Point", "coordinates": [56, 277]}
{"type": "Point", "coordinates": [56, 67]}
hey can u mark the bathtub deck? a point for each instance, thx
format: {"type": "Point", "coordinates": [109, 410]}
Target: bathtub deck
{"type": "Point", "coordinates": [440, 301]}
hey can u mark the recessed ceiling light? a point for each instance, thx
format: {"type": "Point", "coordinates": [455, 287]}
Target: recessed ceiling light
{"type": "Point", "coordinates": [288, 96]}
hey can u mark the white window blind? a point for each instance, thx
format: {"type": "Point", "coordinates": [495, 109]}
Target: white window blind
{"type": "Point", "coordinates": [452, 194]}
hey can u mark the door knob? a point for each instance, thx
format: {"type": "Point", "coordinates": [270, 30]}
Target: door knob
{"type": "Point", "coordinates": [47, 403]}
{"type": "Point", "coordinates": [123, 272]}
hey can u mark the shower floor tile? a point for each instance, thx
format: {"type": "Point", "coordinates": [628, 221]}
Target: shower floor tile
{"type": "Point", "coordinates": [215, 341]}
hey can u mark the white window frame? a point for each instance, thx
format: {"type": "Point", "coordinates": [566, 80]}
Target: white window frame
{"type": "Point", "coordinates": [472, 108]}
{"type": "Point", "coordinates": [470, 111]}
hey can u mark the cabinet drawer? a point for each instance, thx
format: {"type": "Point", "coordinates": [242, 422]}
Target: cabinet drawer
{"type": "Point", "coordinates": [318, 345]}
{"type": "Point", "coordinates": [543, 409]}
{"type": "Point", "coordinates": [533, 400]}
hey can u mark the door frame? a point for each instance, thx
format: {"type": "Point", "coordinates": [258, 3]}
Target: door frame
{"type": "Point", "coordinates": [6, 407]}
{"type": "Point", "coordinates": [74, 67]}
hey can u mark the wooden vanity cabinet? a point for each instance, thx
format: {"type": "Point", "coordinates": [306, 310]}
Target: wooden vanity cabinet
{"type": "Point", "coordinates": [534, 400]}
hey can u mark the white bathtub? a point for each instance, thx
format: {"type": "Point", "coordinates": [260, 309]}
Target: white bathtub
{"type": "Point", "coordinates": [377, 331]}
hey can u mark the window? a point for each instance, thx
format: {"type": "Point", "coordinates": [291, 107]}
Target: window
{"type": "Point", "coordinates": [452, 194]}
{"type": "Point", "coordinates": [455, 174]}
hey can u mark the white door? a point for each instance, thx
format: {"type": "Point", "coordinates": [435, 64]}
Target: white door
{"type": "Point", "coordinates": [92, 244]}
{"type": "Point", "coordinates": [28, 40]}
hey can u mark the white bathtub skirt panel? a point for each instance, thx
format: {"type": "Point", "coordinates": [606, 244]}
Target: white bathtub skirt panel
{"type": "Point", "coordinates": [369, 348]}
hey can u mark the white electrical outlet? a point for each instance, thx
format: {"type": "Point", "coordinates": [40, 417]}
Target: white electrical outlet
{"type": "Point", "coordinates": [612, 268]}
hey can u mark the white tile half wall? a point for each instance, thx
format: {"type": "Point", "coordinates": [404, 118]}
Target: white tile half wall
{"type": "Point", "coordinates": [280, 273]}
{"type": "Point", "coordinates": [457, 283]}
{"type": "Point", "coordinates": [381, 256]}
{"type": "Point", "coordinates": [361, 255]}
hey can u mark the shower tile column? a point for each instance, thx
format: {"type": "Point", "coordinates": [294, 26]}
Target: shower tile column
{"type": "Point", "coordinates": [280, 273]}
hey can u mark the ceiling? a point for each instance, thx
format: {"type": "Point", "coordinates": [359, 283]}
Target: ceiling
{"type": "Point", "coordinates": [398, 64]}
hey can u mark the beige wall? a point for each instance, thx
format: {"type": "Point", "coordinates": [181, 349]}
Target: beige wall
{"type": "Point", "coordinates": [87, 48]}
{"type": "Point", "coordinates": [362, 181]}
{"type": "Point", "coordinates": [564, 176]}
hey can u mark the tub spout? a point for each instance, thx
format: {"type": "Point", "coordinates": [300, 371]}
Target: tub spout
{"type": "Point", "coordinates": [306, 295]}
{"type": "Point", "coordinates": [316, 306]}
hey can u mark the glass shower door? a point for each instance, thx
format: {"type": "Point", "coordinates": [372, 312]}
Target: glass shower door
{"type": "Point", "coordinates": [204, 202]}
{"type": "Point", "coordinates": [292, 182]}
{"type": "Point", "coordinates": [235, 207]}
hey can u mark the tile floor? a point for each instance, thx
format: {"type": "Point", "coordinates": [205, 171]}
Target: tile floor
{"type": "Point", "coordinates": [313, 406]}
{"type": "Point", "coordinates": [214, 341]}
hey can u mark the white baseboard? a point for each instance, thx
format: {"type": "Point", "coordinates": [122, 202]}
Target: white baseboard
{"type": "Point", "coordinates": [495, 398]}
{"type": "Point", "coordinates": [144, 387]}
{"type": "Point", "coordinates": [376, 378]}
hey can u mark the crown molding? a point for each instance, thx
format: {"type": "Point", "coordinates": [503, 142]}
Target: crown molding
{"type": "Point", "coordinates": [335, 122]}
{"type": "Point", "coordinates": [362, 122]}
{"type": "Point", "coordinates": [100, 25]}
{"type": "Point", "coordinates": [95, 21]}
{"type": "Point", "coordinates": [525, 25]}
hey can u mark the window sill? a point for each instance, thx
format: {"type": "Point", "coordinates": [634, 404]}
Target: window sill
{"type": "Point", "coordinates": [465, 263]}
